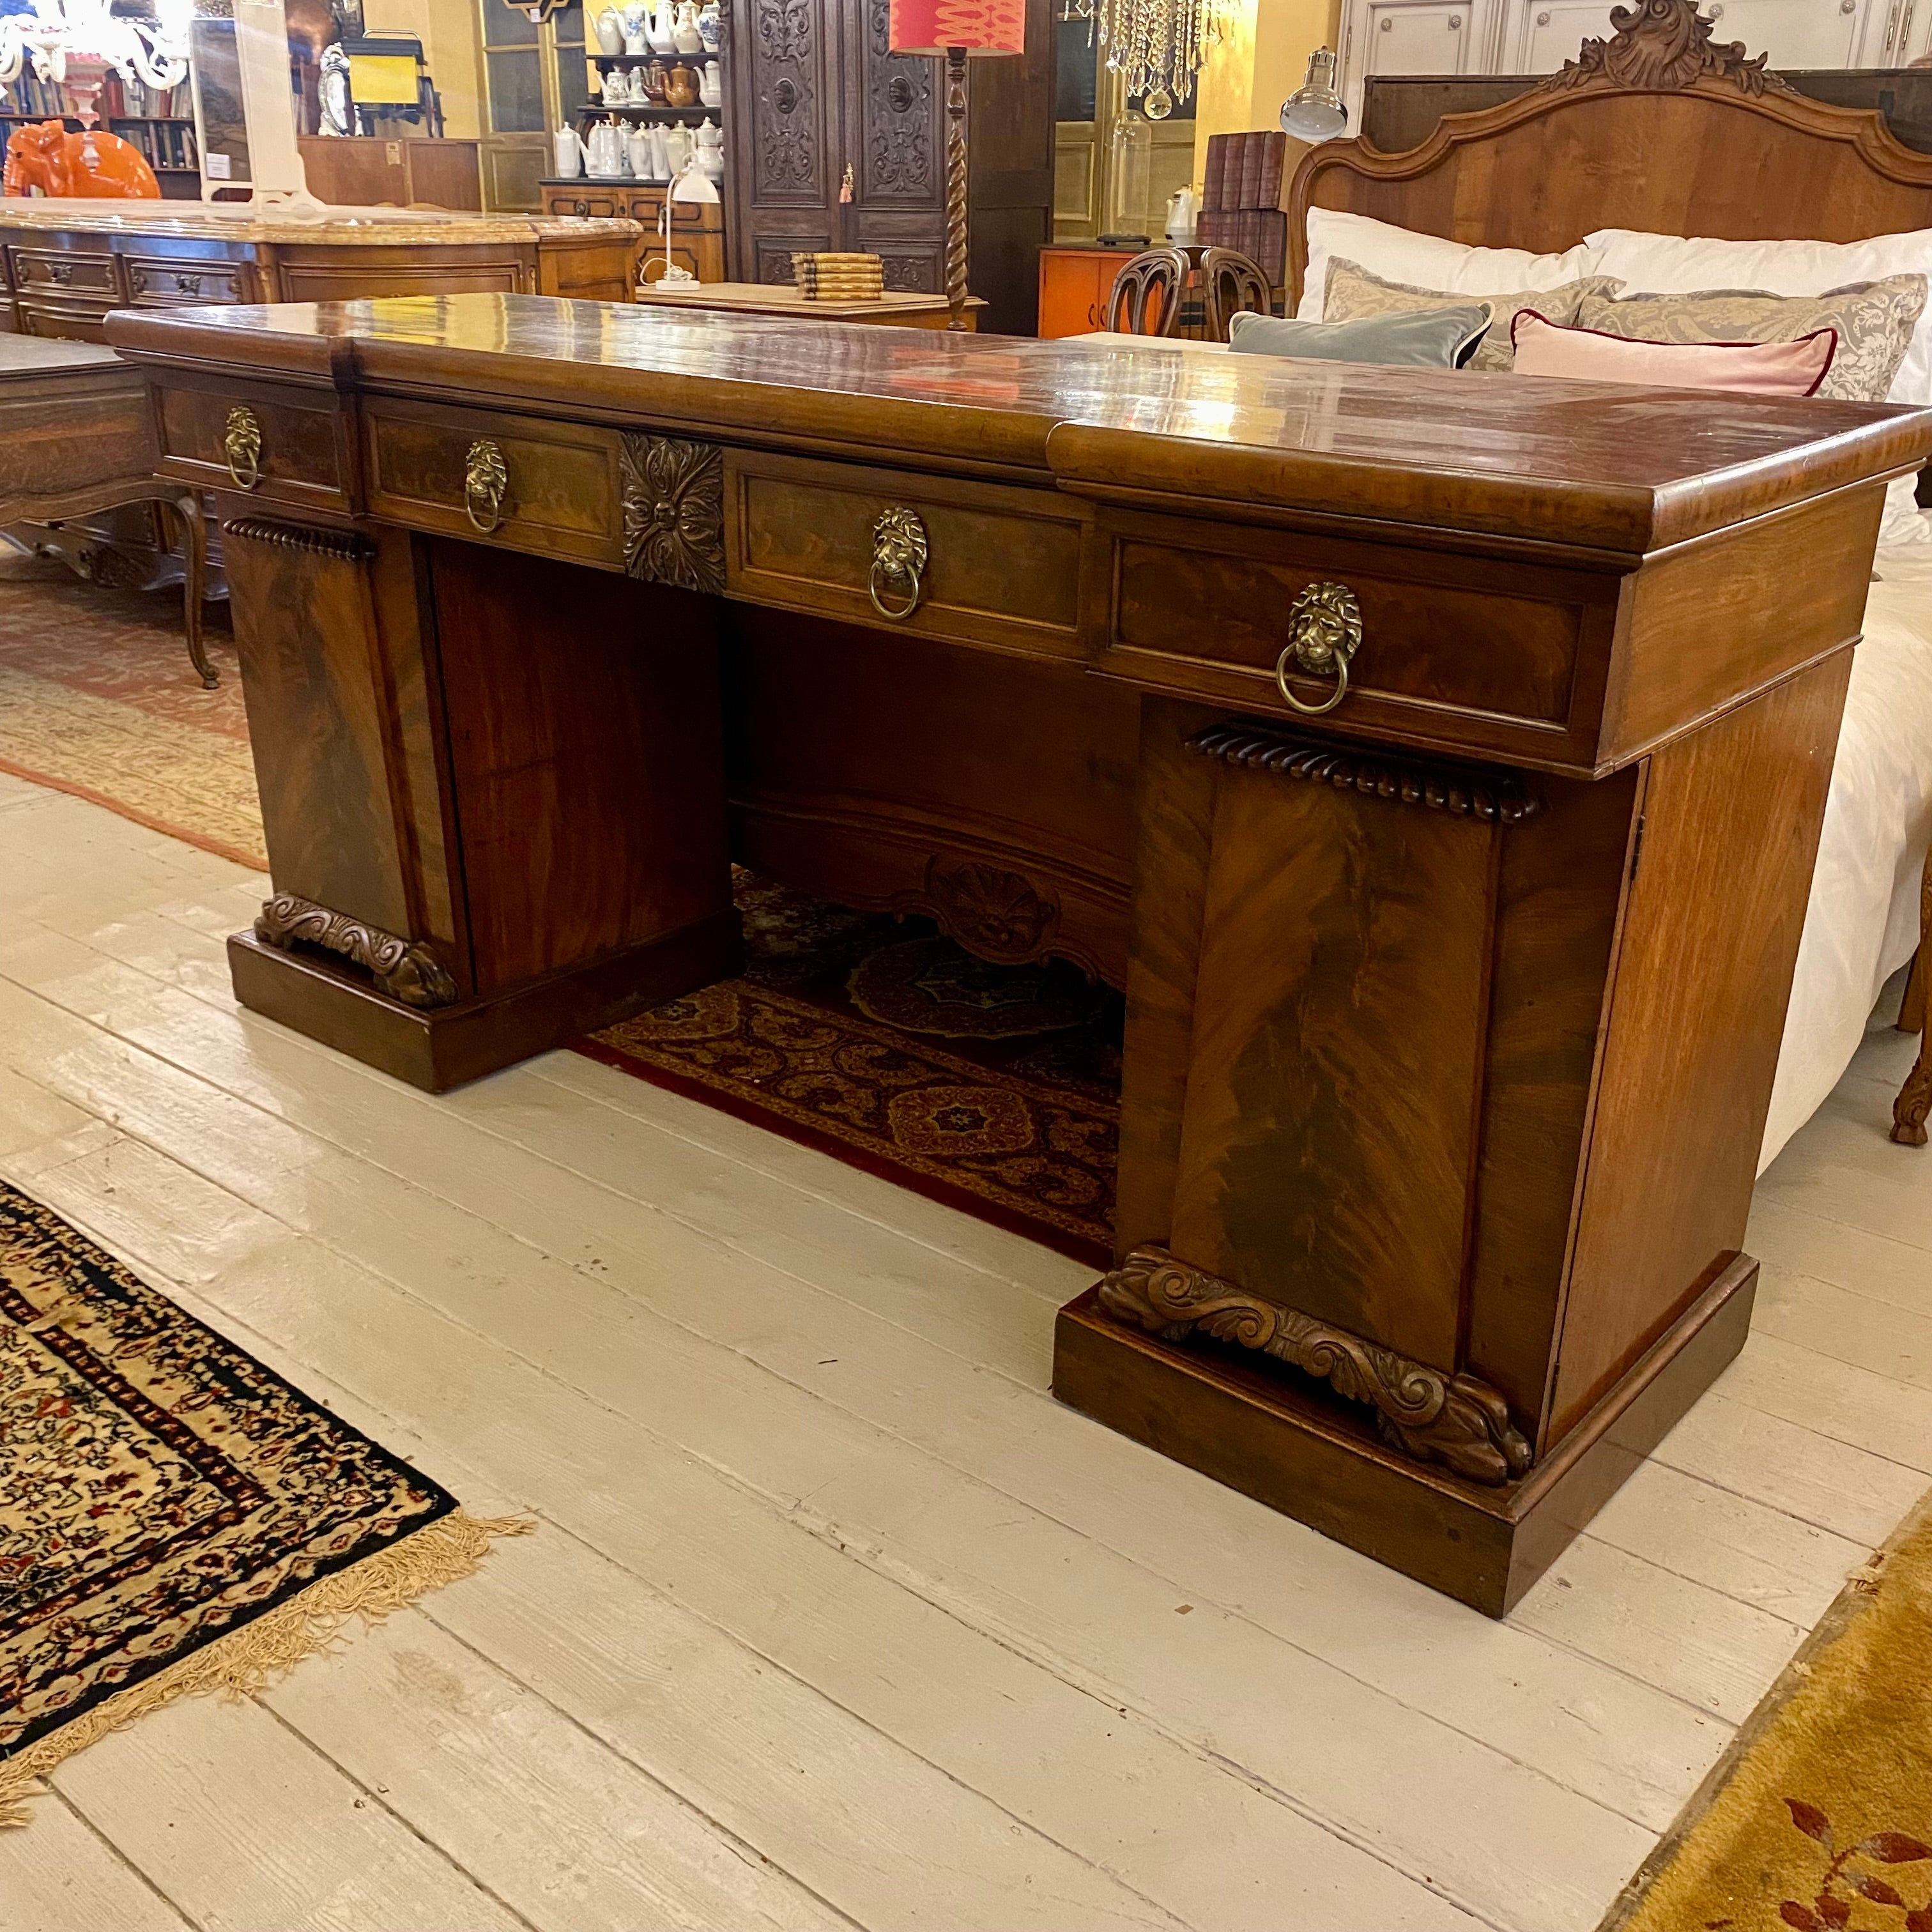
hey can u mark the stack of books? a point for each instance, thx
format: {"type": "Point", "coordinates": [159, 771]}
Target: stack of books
{"type": "Point", "coordinates": [1240, 200]}
{"type": "Point", "coordinates": [839, 278]}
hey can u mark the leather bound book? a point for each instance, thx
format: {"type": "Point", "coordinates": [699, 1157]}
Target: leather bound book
{"type": "Point", "coordinates": [1214, 189]}
{"type": "Point", "coordinates": [1253, 152]}
{"type": "Point", "coordinates": [1274, 159]}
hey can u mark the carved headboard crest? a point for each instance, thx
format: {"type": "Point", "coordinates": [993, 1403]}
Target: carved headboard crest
{"type": "Point", "coordinates": [1661, 44]}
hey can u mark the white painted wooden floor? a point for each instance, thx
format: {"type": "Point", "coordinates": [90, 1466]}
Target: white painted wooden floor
{"type": "Point", "coordinates": [832, 1618]}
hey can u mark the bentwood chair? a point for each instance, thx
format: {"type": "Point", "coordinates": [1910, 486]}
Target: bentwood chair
{"type": "Point", "coordinates": [1146, 296]}
{"type": "Point", "coordinates": [1230, 283]}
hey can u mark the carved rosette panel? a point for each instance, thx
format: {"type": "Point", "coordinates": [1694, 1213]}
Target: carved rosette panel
{"type": "Point", "coordinates": [785, 140]}
{"type": "Point", "coordinates": [674, 492]}
{"type": "Point", "coordinates": [911, 274]}
{"type": "Point", "coordinates": [1458, 1421]}
{"type": "Point", "coordinates": [990, 911]}
{"type": "Point", "coordinates": [1494, 799]}
{"type": "Point", "coordinates": [897, 99]}
{"type": "Point", "coordinates": [1661, 45]}
{"type": "Point", "coordinates": [403, 969]}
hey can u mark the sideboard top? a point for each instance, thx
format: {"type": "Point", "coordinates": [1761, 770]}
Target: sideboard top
{"type": "Point", "coordinates": [1584, 465]}
{"type": "Point", "coordinates": [335, 227]}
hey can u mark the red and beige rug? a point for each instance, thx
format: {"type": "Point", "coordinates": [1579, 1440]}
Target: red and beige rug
{"type": "Point", "coordinates": [995, 1089]}
{"type": "Point", "coordinates": [97, 698]}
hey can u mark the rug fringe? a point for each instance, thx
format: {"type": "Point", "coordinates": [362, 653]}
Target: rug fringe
{"type": "Point", "coordinates": [248, 1660]}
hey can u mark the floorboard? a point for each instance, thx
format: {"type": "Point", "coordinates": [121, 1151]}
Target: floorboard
{"type": "Point", "coordinates": [831, 1617]}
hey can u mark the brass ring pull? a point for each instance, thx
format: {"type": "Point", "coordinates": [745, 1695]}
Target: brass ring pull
{"type": "Point", "coordinates": [899, 554]}
{"type": "Point", "coordinates": [1324, 631]}
{"type": "Point", "coordinates": [485, 478]}
{"type": "Point", "coordinates": [241, 444]}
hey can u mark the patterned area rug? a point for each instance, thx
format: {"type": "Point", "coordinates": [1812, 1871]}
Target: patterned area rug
{"type": "Point", "coordinates": [1819, 1817]}
{"type": "Point", "coordinates": [97, 698]}
{"type": "Point", "coordinates": [995, 1089]}
{"type": "Point", "coordinates": [174, 1517]}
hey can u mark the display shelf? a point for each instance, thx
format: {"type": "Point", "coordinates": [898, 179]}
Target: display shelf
{"type": "Point", "coordinates": [658, 109]}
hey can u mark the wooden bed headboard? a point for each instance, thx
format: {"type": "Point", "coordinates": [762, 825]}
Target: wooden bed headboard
{"type": "Point", "coordinates": [1655, 128]}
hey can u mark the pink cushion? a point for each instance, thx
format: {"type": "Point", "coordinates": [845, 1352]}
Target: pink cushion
{"type": "Point", "coordinates": [1544, 348]}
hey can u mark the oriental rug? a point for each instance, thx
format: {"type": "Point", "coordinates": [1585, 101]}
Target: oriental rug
{"type": "Point", "coordinates": [174, 1516]}
{"type": "Point", "coordinates": [995, 1089]}
{"type": "Point", "coordinates": [97, 698]}
{"type": "Point", "coordinates": [1818, 1818]}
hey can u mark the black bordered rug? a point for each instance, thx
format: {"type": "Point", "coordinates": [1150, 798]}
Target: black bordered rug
{"type": "Point", "coordinates": [174, 1516]}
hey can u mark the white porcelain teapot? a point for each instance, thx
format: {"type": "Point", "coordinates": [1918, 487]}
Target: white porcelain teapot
{"type": "Point", "coordinates": [709, 138]}
{"type": "Point", "coordinates": [663, 28]}
{"type": "Point", "coordinates": [567, 154]}
{"type": "Point", "coordinates": [685, 36]}
{"type": "Point", "coordinates": [610, 31]}
{"type": "Point", "coordinates": [606, 155]}
{"type": "Point", "coordinates": [680, 150]}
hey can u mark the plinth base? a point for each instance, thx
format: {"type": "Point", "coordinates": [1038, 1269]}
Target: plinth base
{"type": "Point", "coordinates": [1287, 1442]}
{"type": "Point", "coordinates": [440, 1047]}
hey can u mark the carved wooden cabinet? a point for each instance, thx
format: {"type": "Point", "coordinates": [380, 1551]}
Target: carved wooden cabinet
{"type": "Point", "coordinates": [818, 98]}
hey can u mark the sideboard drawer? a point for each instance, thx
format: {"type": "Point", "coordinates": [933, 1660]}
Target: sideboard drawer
{"type": "Point", "coordinates": [1478, 654]}
{"type": "Point", "coordinates": [1002, 565]}
{"type": "Point", "coordinates": [279, 446]}
{"type": "Point", "coordinates": [73, 271]}
{"type": "Point", "coordinates": [551, 487]}
{"type": "Point", "coordinates": [160, 282]}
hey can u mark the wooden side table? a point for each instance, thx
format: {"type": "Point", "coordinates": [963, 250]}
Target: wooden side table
{"type": "Point", "coordinates": [78, 437]}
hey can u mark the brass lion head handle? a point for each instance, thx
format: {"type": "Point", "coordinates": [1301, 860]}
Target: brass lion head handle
{"type": "Point", "coordinates": [241, 444]}
{"type": "Point", "coordinates": [1324, 632]}
{"type": "Point", "coordinates": [899, 558]}
{"type": "Point", "coordinates": [485, 478]}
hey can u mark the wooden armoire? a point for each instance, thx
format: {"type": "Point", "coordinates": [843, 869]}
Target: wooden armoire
{"type": "Point", "coordinates": [815, 90]}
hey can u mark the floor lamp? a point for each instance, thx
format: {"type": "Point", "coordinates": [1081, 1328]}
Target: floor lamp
{"type": "Point", "coordinates": [961, 30]}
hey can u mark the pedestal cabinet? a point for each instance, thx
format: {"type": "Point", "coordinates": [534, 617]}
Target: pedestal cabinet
{"type": "Point", "coordinates": [822, 108]}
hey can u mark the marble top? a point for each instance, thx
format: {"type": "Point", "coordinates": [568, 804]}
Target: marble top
{"type": "Point", "coordinates": [366, 227]}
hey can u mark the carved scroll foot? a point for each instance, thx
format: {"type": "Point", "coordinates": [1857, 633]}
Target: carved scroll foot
{"type": "Point", "coordinates": [1455, 1420]}
{"type": "Point", "coordinates": [404, 970]}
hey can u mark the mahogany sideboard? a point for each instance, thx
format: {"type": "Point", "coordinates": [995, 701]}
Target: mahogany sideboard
{"type": "Point", "coordinates": [1437, 759]}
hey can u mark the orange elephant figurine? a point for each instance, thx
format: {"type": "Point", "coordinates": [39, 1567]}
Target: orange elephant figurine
{"type": "Point", "coordinates": [47, 157]}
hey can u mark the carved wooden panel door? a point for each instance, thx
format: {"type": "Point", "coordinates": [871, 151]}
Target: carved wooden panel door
{"type": "Point", "coordinates": [785, 152]}
{"type": "Point", "coordinates": [895, 146]}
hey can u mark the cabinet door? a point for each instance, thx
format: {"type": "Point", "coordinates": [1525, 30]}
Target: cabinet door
{"type": "Point", "coordinates": [1801, 33]}
{"type": "Point", "coordinates": [896, 147]}
{"type": "Point", "coordinates": [1070, 291]}
{"type": "Point", "coordinates": [783, 175]}
{"type": "Point", "coordinates": [1538, 36]}
{"type": "Point", "coordinates": [1410, 36]}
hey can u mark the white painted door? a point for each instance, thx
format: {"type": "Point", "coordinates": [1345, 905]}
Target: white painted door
{"type": "Point", "coordinates": [1406, 37]}
{"type": "Point", "coordinates": [1538, 36]}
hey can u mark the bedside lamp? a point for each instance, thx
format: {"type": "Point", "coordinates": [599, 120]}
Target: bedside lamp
{"type": "Point", "coordinates": [961, 30]}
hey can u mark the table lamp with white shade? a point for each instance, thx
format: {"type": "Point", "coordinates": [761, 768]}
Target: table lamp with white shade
{"type": "Point", "coordinates": [695, 188]}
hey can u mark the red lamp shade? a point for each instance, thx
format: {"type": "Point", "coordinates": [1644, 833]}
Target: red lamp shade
{"type": "Point", "coordinates": [980, 26]}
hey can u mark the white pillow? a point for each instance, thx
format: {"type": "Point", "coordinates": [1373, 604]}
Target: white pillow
{"type": "Point", "coordinates": [1679, 265]}
{"type": "Point", "coordinates": [1428, 262]}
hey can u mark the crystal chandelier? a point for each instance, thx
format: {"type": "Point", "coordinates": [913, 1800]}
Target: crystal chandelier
{"type": "Point", "coordinates": [1156, 46]}
{"type": "Point", "coordinates": [76, 42]}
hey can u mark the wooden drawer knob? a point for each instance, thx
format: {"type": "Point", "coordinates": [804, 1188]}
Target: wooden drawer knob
{"type": "Point", "coordinates": [899, 558]}
{"type": "Point", "coordinates": [485, 478]}
{"type": "Point", "coordinates": [241, 444]}
{"type": "Point", "coordinates": [1324, 631]}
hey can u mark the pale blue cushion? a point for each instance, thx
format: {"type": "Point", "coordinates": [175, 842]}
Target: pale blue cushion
{"type": "Point", "coordinates": [1429, 338]}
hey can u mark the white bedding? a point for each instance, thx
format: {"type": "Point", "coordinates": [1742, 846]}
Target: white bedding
{"type": "Point", "coordinates": [1862, 923]}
